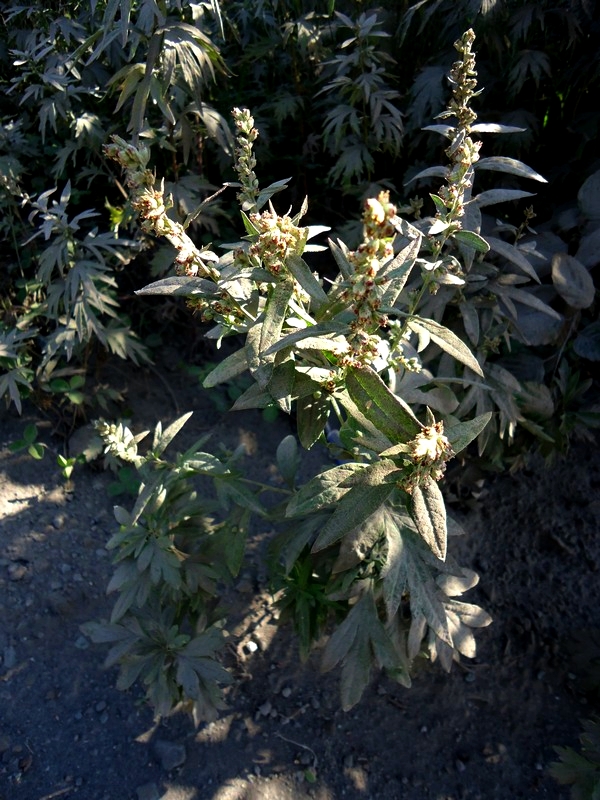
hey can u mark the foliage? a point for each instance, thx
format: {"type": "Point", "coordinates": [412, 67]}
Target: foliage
{"type": "Point", "coordinates": [404, 347]}
{"type": "Point", "coordinates": [581, 770]}
{"type": "Point", "coordinates": [364, 542]}
{"type": "Point", "coordinates": [64, 257]}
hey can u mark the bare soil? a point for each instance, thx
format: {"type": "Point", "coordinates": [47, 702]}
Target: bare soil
{"type": "Point", "coordinates": [483, 732]}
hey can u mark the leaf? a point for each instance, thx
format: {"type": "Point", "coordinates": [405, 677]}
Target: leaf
{"type": "Point", "coordinates": [472, 239]}
{"type": "Point", "coordinates": [359, 638]}
{"type": "Point", "coordinates": [232, 366]}
{"type": "Point", "coordinates": [428, 511]}
{"type": "Point", "coordinates": [470, 321]}
{"type": "Point", "coordinates": [262, 337]}
{"type": "Point", "coordinates": [493, 196]}
{"type": "Point", "coordinates": [588, 252]}
{"type": "Point", "coordinates": [181, 285]}
{"type": "Point", "coordinates": [320, 331]}
{"type": "Point", "coordinates": [587, 342]}
{"type": "Point", "coordinates": [463, 433]}
{"type": "Point", "coordinates": [312, 414]}
{"type": "Point", "coordinates": [389, 413]}
{"type": "Point", "coordinates": [323, 490]}
{"type": "Point", "coordinates": [431, 172]}
{"type": "Point", "coordinates": [164, 439]}
{"type": "Point", "coordinates": [512, 253]}
{"type": "Point", "coordinates": [588, 196]}
{"type": "Point", "coordinates": [301, 272]}
{"type": "Point", "coordinates": [448, 341]}
{"type": "Point", "coordinates": [368, 493]}
{"type": "Point", "coordinates": [572, 281]}
{"type": "Point", "coordinates": [288, 458]}
{"type": "Point", "coordinates": [493, 127]}
{"type": "Point", "coordinates": [397, 271]}
{"type": "Point", "coordinates": [510, 166]}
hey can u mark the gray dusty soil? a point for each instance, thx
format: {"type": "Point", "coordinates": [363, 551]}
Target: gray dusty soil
{"type": "Point", "coordinates": [484, 732]}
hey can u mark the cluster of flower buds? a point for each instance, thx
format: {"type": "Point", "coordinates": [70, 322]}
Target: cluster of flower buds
{"type": "Point", "coordinates": [119, 441]}
{"type": "Point", "coordinates": [245, 160]}
{"type": "Point", "coordinates": [366, 286]}
{"type": "Point", "coordinates": [277, 238]}
{"type": "Point", "coordinates": [428, 453]}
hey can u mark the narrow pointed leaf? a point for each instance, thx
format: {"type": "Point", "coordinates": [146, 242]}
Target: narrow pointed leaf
{"type": "Point", "coordinates": [428, 511]}
{"type": "Point", "coordinates": [389, 413]}
{"type": "Point", "coordinates": [301, 272]}
{"type": "Point", "coordinates": [512, 253]}
{"type": "Point", "coordinates": [448, 341]}
{"type": "Point", "coordinates": [493, 196]}
{"type": "Point", "coordinates": [472, 239]}
{"type": "Point", "coordinates": [312, 414]}
{"type": "Point", "coordinates": [464, 433]}
{"type": "Point", "coordinates": [510, 166]}
{"type": "Point", "coordinates": [232, 366]}
{"type": "Point", "coordinates": [181, 285]}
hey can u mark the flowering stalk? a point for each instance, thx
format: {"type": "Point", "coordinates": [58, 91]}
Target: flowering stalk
{"type": "Point", "coordinates": [366, 286]}
{"type": "Point", "coordinates": [151, 205]}
{"type": "Point", "coordinates": [245, 160]}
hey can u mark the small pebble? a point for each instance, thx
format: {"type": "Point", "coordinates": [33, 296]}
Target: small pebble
{"type": "Point", "coordinates": [251, 647]}
{"type": "Point", "coordinates": [265, 709]}
{"type": "Point", "coordinates": [100, 705]}
{"type": "Point", "coordinates": [286, 692]}
{"type": "Point", "coordinates": [470, 677]}
{"type": "Point", "coordinates": [81, 643]}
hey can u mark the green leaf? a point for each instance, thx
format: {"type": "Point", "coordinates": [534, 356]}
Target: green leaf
{"type": "Point", "coordinates": [301, 272]}
{"type": "Point", "coordinates": [463, 433]}
{"type": "Point", "coordinates": [510, 166]}
{"type": "Point", "coordinates": [323, 490]}
{"type": "Point", "coordinates": [181, 285]}
{"type": "Point", "coordinates": [493, 127]}
{"type": "Point", "coordinates": [428, 511]}
{"type": "Point", "coordinates": [312, 414]}
{"type": "Point", "coordinates": [572, 281]}
{"type": "Point", "coordinates": [493, 196]}
{"type": "Point", "coordinates": [369, 491]}
{"type": "Point", "coordinates": [387, 412]}
{"type": "Point", "coordinates": [359, 640]}
{"type": "Point", "coordinates": [587, 342]}
{"type": "Point", "coordinates": [163, 440]}
{"type": "Point", "coordinates": [398, 270]}
{"type": "Point", "coordinates": [259, 362]}
{"type": "Point", "coordinates": [448, 341]}
{"type": "Point", "coordinates": [30, 433]}
{"type": "Point", "coordinates": [471, 239]}
{"type": "Point", "coordinates": [36, 450]}
{"type": "Point", "coordinates": [321, 332]}
{"type": "Point", "coordinates": [288, 459]}
{"type": "Point", "coordinates": [512, 253]}
{"type": "Point", "coordinates": [232, 366]}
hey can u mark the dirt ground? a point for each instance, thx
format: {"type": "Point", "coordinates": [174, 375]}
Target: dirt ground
{"type": "Point", "coordinates": [484, 732]}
